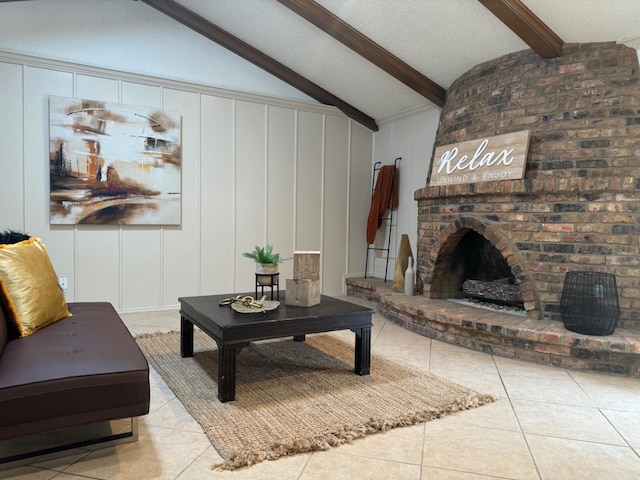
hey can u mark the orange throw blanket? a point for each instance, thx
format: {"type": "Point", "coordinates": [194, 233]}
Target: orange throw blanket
{"type": "Point", "coordinates": [385, 195]}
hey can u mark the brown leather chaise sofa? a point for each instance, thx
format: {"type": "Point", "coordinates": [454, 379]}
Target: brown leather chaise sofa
{"type": "Point", "coordinates": [77, 370]}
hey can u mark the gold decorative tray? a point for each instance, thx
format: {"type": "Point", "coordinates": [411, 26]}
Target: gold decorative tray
{"type": "Point", "coordinates": [266, 306]}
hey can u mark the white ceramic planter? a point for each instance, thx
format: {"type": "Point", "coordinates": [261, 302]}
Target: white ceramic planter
{"type": "Point", "coordinates": [264, 270]}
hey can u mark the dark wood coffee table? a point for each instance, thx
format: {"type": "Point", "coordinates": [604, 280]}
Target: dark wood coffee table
{"type": "Point", "coordinates": [233, 331]}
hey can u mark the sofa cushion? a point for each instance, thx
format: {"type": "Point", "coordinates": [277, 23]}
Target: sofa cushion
{"type": "Point", "coordinates": [83, 369]}
{"type": "Point", "coordinates": [30, 286]}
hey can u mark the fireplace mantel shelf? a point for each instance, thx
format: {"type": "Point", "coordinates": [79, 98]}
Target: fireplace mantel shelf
{"type": "Point", "coordinates": [541, 341]}
{"type": "Point", "coordinates": [545, 184]}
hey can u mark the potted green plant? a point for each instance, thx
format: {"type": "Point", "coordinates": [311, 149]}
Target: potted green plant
{"type": "Point", "coordinates": [266, 262]}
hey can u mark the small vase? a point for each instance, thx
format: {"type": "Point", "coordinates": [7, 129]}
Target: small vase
{"type": "Point", "coordinates": [264, 272]}
{"type": "Point", "coordinates": [409, 278]}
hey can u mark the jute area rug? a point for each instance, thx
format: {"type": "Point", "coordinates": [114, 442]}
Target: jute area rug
{"type": "Point", "coordinates": [294, 397]}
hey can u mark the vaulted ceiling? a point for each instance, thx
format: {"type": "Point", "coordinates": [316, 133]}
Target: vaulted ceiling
{"type": "Point", "coordinates": [377, 59]}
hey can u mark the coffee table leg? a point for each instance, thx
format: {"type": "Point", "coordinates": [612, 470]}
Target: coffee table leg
{"type": "Point", "coordinates": [186, 337]}
{"type": "Point", "coordinates": [227, 371]}
{"type": "Point", "coordinates": [363, 351]}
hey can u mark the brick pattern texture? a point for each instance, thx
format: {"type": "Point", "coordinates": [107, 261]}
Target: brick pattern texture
{"type": "Point", "coordinates": [578, 207]}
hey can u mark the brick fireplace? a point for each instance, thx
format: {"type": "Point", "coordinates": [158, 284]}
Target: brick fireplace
{"type": "Point", "coordinates": [577, 208]}
{"type": "Point", "coordinates": [578, 205]}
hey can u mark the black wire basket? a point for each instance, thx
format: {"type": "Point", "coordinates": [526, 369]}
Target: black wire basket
{"type": "Point", "coordinates": [589, 303]}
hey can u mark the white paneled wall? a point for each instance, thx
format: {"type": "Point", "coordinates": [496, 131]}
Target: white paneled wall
{"type": "Point", "coordinates": [255, 170]}
{"type": "Point", "coordinates": [336, 197]}
{"type": "Point", "coordinates": [250, 186]}
{"type": "Point", "coordinates": [309, 168]}
{"type": "Point", "coordinates": [12, 146]}
{"type": "Point", "coordinates": [410, 137]}
{"type": "Point", "coordinates": [217, 217]}
{"type": "Point", "coordinates": [359, 187]}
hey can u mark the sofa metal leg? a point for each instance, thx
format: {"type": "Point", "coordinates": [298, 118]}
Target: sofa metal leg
{"type": "Point", "coordinates": [17, 458]}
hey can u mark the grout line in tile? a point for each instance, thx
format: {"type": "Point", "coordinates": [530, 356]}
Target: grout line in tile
{"type": "Point", "coordinates": [515, 414]}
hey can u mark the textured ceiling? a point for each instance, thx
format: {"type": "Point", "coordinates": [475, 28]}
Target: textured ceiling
{"type": "Point", "coordinates": [441, 39]}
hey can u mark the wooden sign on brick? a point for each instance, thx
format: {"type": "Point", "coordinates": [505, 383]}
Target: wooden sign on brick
{"type": "Point", "coordinates": [502, 157]}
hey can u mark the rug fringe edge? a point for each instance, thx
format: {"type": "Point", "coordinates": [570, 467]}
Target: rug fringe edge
{"type": "Point", "coordinates": [334, 439]}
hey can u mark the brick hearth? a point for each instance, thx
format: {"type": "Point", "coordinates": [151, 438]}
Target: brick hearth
{"type": "Point", "coordinates": [540, 341]}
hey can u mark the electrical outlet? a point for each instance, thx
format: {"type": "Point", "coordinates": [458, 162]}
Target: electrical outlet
{"type": "Point", "coordinates": [63, 283]}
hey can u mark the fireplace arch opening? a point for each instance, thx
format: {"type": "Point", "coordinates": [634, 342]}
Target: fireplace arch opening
{"type": "Point", "coordinates": [472, 257]}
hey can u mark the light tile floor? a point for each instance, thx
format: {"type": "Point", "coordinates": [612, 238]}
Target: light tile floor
{"type": "Point", "coordinates": [550, 423]}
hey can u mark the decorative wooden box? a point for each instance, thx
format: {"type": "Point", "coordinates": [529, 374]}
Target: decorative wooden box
{"type": "Point", "coordinates": [303, 289]}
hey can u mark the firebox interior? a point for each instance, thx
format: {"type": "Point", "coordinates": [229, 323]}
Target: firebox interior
{"type": "Point", "coordinates": [479, 271]}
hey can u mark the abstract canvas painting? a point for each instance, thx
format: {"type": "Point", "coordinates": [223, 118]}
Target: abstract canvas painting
{"type": "Point", "coordinates": [113, 164]}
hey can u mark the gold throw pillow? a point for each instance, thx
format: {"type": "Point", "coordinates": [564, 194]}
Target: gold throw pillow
{"type": "Point", "coordinates": [30, 286]}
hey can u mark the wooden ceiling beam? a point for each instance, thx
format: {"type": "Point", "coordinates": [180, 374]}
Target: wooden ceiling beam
{"type": "Point", "coordinates": [207, 29]}
{"type": "Point", "coordinates": [367, 48]}
{"type": "Point", "coordinates": [524, 23]}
